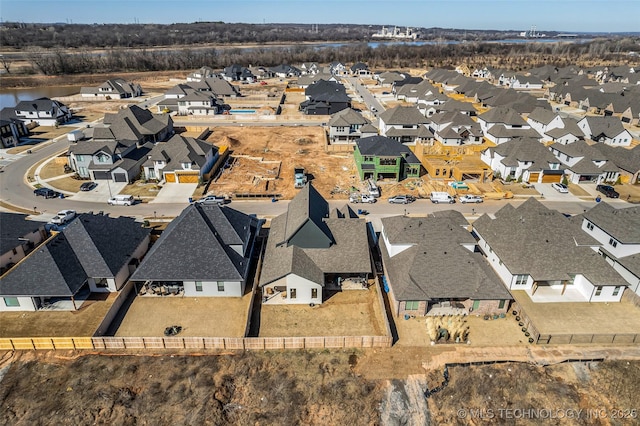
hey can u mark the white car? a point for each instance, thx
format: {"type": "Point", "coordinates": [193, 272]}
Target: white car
{"type": "Point", "coordinates": [63, 217]}
{"type": "Point", "coordinates": [470, 199]}
{"type": "Point", "coordinates": [562, 188]}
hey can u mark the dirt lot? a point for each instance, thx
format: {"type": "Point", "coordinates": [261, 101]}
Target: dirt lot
{"type": "Point", "coordinates": [301, 387]}
{"type": "Point", "coordinates": [346, 313]}
{"type": "Point", "coordinates": [292, 146]}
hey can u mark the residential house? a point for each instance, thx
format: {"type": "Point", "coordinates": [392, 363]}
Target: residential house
{"type": "Point", "coordinates": [387, 78]}
{"type": "Point", "coordinates": [325, 98]}
{"type": "Point", "coordinates": [199, 103]}
{"type": "Point", "coordinates": [525, 82]}
{"type": "Point", "coordinates": [119, 161]}
{"type": "Point", "coordinates": [502, 124]}
{"type": "Point", "coordinates": [542, 120]}
{"type": "Point", "coordinates": [524, 159]}
{"type": "Point", "coordinates": [379, 157]}
{"type": "Point", "coordinates": [432, 267]}
{"type": "Point", "coordinates": [237, 72]}
{"type": "Point", "coordinates": [345, 127]}
{"type": "Point", "coordinates": [360, 69]}
{"type": "Point", "coordinates": [206, 251]}
{"type": "Point", "coordinates": [11, 129]}
{"type": "Point", "coordinates": [135, 124]}
{"type": "Point", "coordinates": [311, 249]}
{"type": "Point", "coordinates": [627, 160]}
{"type": "Point", "coordinates": [43, 111]}
{"type": "Point", "coordinates": [180, 160]}
{"type": "Point", "coordinates": [607, 130]}
{"type": "Point", "coordinates": [584, 163]}
{"type": "Point", "coordinates": [546, 255]}
{"type": "Point", "coordinates": [404, 124]}
{"type": "Point", "coordinates": [309, 68]}
{"type": "Point", "coordinates": [93, 254]}
{"type": "Point", "coordinates": [115, 88]}
{"type": "Point", "coordinates": [18, 237]}
{"type": "Point", "coordinates": [455, 129]}
{"type": "Point", "coordinates": [307, 80]}
{"type": "Point", "coordinates": [201, 74]}
{"type": "Point", "coordinates": [569, 132]}
{"type": "Point", "coordinates": [618, 232]}
{"type": "Point", "coordinates": [338, 69]}
{"type": "Point", "coordinates": [285, 71]}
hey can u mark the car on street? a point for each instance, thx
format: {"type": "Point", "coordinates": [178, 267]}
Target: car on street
{"type": "Point", "coordinates": [63, 216]}
{"type": "Point", "coordinates": [213, 199]}
{"type": "Point", "coordinates": [46, 192]}
{"type": "Point", "coordinates": [470, 199]}
{"type": "Point", "coordinates": [560, 187]}
{"type": "Point", "coordinates": [88, 186]}
{"type": "Point", "coordinates": [608, 191]}
{"type": "Point", "coordinates": [402, 199]}
{"type": "Point", "coordinates": [362, 198]}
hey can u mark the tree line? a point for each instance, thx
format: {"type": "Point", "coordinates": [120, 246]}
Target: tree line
{"type": "Point", "coordinates": [513, 56]}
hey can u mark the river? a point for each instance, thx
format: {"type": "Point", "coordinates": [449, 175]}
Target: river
{"type": "Point", "coordinates": [11, 97]}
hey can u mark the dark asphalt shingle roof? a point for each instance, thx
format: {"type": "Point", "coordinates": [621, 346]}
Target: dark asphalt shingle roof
{"type": "Point", "coordinates": [14, 226]}
{"type": "Point", "coordinates": [622, 224]}
{"type": "Point", "coordinates": [382, 146]}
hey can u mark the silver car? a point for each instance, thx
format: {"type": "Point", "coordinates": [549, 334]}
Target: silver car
{"type": "Point", "coordinates": [470, 199]}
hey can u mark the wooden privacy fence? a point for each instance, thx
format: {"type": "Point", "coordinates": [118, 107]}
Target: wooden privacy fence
{"type": "Point", "coordinates": [241, 343]}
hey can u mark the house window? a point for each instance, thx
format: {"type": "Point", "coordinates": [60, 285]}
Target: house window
{"type": "Point", "coordinates": [368, 159]}
{"type": "Point", "coordinates": [11, 302]}
{"type": "Point", "coordinates": [411, 305]}
{"type": "Point", "coordinates": [598, 290]}
{"type": "Point", "coordinates": [102, 158]}
{"type": "Point", "coordinates": [501, 304]}
{"type": "Point", "coordinates": [437, 172]}
{"type": "Point", "coordinates": [151, 174]}
{"type": "Point", "coordinates": [616, 290]}
{"type": "Point", "coordinates": [613, 243]}
{"type": "Point", "coordinates": [521, 279]}
{"type": "Point", "coordinates": [220, 286]}
{"type": "Point", "coordinates": [79, 158]}
{"type": "Point", "coordinates": [292, 293]}
{"type": "Point", "coordinates": [314, 293]}
{"type": "Point", "coordinates": [590, 226]}
{"type": "Point", "coordinates": [198, 285]}
{"type": "Point", "coordinates": [101, 282]}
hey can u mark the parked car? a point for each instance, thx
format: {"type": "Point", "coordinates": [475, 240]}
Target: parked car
{"type": "Point", "coordinates": [63, 217]}
{"type": "Point", "coordinates": [608, 191]}
{"type": "Point", "coordinates": [46, 192]}
{"type": "Point", "coordinates": [362, 198]}
{"type": "Point", "coordinates": [441, 197]}
{"type": "Point", "coordinates": [121, 200]}
{"type": "Point", "coordinates": [402, 199]}
{"type": "Point", "coordinates": [213, 199]}
{"type": "Point", "coordinates": [560, 187]}
{"type": "Point", "coordinates": [88, 186]}
{"type": "Point", "coordinates": [470, 199]}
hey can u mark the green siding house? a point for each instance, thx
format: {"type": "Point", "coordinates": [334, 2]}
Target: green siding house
{"type": "Point", "coordinates": [379, 157]}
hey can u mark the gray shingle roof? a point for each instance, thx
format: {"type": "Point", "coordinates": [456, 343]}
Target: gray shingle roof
{"type": "Point", "coordinates": [402, 115]}
{"type": "Point", "coordinates": [503, 115]}
{"type": "Point", "coordinates": [346, 118]}
{"type": "Point", "coordinates": [622, 224]}
{"type": "Point", "coordinates": [385, 147]}
{"type": "Point", "coordinates": [525, 149]}
{"type": "Point", "coordinates": [532, 239]}
{"type": "Point", "coordinates": [196, 246]}
{"type": "Point", "coordinates": [437, 266]}
{"type": "Point", "coordinates": [14, 226]}
{"type": "Point", "coordinates": [180, 149]}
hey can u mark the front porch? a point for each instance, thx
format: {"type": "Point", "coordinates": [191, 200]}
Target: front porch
{"type": "Point", "coordinates": [446, 308]}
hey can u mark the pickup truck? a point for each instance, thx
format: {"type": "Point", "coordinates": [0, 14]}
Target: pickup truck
{"type": "Point", "coordinates": [362, 198]}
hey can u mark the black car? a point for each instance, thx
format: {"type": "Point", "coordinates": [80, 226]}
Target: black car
{"type": "Point", "coordinates": [608, 191]}
{"type": "Point", "coordinates": [88, 186]}
{"type": "Point", "coordinates": [46, 192]}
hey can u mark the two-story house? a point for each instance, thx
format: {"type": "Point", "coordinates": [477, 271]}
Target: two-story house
{"type": "Point", "coordinates": [325, 98]}
{"type": "Point", "coordinates": [43, 111]}
{"type": "Point", "coordinates": [118, 161]}
{"type": "Point", "coordinates": [607, 130]}
{"type": "Point", "coordinates": [180, 160]}
{"type": "Point", "coordinates": [379, 157]}
{"type": "Point", "coordinates": [403, 124]}
{"type": "Point", "coordinates": [584, 163]}
{"type": "Point", "coordinates": [11, 129]}
{"type": "Point", "coordinates": [345, 127]}
{"type": "Point", "coordinates": [115, 88]}
{"type": "Point", "coordinates": [198, 103]}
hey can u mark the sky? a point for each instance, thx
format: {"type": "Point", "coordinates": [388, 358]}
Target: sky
{"type": "Point", "coordinates": [520, 15]}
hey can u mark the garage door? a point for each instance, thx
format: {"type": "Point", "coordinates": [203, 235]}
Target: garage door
{"type": "Point", "coordinates": [120, 177]}
{"type": "Point", "coordinates": [188, 178]}
{"type": "Point", "coordinates": [551, 178]}
{"type": "Point", "coordinates": [101, 175]}
{"type": "Point", "coordinates": [170, 177]}
{"type": "Point", "coordinates": [533, 177]}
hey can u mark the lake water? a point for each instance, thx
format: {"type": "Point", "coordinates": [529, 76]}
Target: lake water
{"type": "Point", "coordinates": [11, 97]}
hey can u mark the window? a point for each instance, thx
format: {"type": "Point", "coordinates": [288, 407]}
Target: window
{"type": "Point", "coordinates": [613, 243]}
{"type": "Point", "coordinates": [437, 172]}
{"type": "Point", "coordinates": [220, 286]}
{"type": "Point", "coordinates": [368, 159]}
{"type": "Point", "coordinates": [616, 290]}
{"type": "Point", "coordinates": [103, 158]}
{"type": "Point", "coordinates": [598, 290]}
{"type": "Point", "coordinates": [501, 304]}
{"type": "Point", "coordinates": [590, 226]}
{"type": "Point", "coordinates": [314, 293]}
{"type": "Point", "coordinates": [14, 250]}
{"type": "Point", "coordinates": [411, 305]}
{"type": "Point", "coordinates": [11, 302]}
{"type": "Point", "coordinates": [198, 285]}
{"type": "Point", "coordinates": [79, 158]}
{"type": "Point", "coordinates": [292, 293]}
{"type": "Point", "coordinates": [521, 279]}
{"type": "Point", "coordinates": [101, 282]}
{"type": "Point", "coordinates": [152, 174]}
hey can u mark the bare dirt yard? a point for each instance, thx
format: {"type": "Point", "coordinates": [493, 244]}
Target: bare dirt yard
{"type": "Point", "coordinates": [264, 147]}
{"type": "Point", "coordinates": [304, 387]}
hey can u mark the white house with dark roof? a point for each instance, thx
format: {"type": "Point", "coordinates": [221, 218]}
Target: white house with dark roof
{"type": "Point", "coordinates": [115, 88]}
{"type": "Point", "coordinates": [93, 254]}
{"type": "Point", "coordinates": [345, 127]}
{"type": "Point", "coordinates": [44, 111]}
{"type": "Point", "coordinates": [201, 74]}
{"type": "Point", "coordinates": [584, 163]}
{"type": "Point", "coordinates": [180, 160]}
{"type": "Point", "coordinates": [205, 252]}
{"type": "Point", "coordinates": [568, 133]}
{"type": "Point", "coordinates": [404, 124]}
{"type": "Point", "coordinates": [198, 103]}
{"type": "Point", "coordinates": [607, 130]}
{"type": "Point", "coordinates": [548, 256]}
{"type": "Point", "coordinates": [312, 248]}
{"type": "Point", "coordinates": [432, 267]}
{"type": "Point", "coordinates": [18, 236]}
{"type": "Point", "coordinates": [618, 232]}
{"type": "Point", "coordinates": [543, 120]}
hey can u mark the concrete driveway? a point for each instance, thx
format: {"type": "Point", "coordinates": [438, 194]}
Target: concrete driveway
{"type": "Point", "coordinates": [101, 193]}
{"type": "Point", "coordinates": [551, 194]}
{"type": "Point", "coordinates": [175, 193]}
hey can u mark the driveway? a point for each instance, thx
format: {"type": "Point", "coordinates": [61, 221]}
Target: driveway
{"type": "Point", "coordinates": [101, 193]}
{"type": "Point", "coordinates": [551, 194]}
{"type": "Point", "coordinates": [175, 193]}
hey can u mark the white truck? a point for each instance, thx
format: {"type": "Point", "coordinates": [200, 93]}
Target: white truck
{"type": "Point", "coordinates": [299, 176]}
{"type": "Point", "coordinates": [441, 197]}
{"type": "Point", "coordinates": [361, 198]}
{"type": "Point", "coordinates": [75, 135]}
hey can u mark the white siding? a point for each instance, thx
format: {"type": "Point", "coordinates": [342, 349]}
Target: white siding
{"type": "Point", "coordinates": [26, 304]}
{"type": "Point", "coordinates": [210, 289]}
{"type": "Point", "coordinates": [394, 249]}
